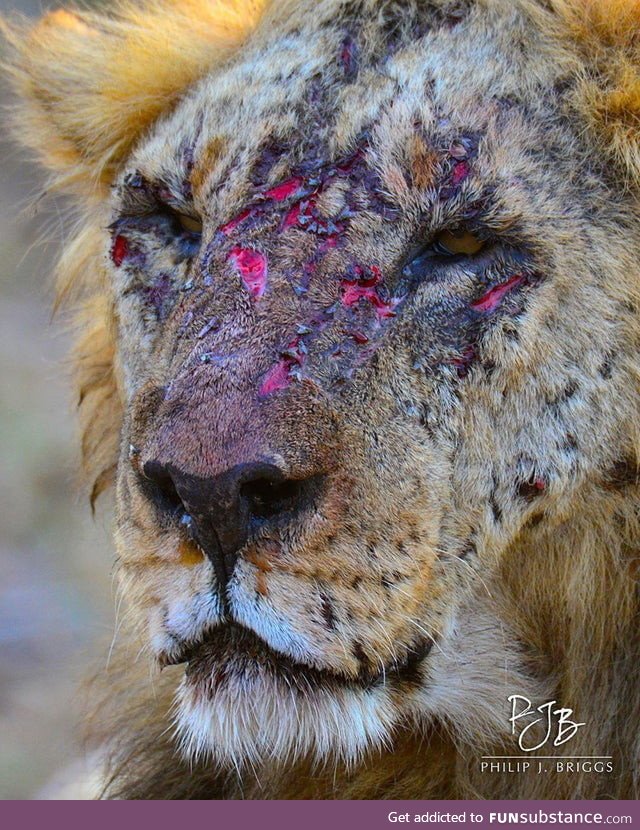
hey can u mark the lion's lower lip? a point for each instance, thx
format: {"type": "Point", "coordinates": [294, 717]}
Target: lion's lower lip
{"type": "Point", "coordinates": [232, 638]}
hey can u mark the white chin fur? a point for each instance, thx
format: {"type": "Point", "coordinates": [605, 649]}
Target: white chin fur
{"type": "Point", "coordinates": [247, 722]}
{"type": "Point", "coordinates": [257, 716]}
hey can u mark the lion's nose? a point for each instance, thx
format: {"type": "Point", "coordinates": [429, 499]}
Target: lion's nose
{"type": "Point", "coordinates": [222, 511]}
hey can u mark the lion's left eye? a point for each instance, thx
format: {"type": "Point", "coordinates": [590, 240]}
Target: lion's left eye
{"type": "Point", "coordinates": [189, 223]}
{"type": "Point", "coordinates": [458, 243]}
{"type": "Point", "coordinates": [446, 245]}
{"type": "Point", "coordinates": [188, 230]}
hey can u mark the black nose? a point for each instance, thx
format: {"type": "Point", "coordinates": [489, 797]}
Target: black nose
{"type": "Point", "coordinates": [222, 511]}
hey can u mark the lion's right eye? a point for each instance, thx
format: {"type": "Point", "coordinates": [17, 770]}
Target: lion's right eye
{"type": "Point", "coordinates": [189, 223]}
{"type": "Point", "coordinates": [447, 246]}
{"type": "Point", "coordinates": [155, 228]}
{"type": "Point", "coordinates": [188, 232]}
{"type": "Point", "coordinates": [458, 243]}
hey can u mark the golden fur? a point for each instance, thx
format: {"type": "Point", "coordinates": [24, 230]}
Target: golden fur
{"type": "Point", "coordinates": [547, 605]}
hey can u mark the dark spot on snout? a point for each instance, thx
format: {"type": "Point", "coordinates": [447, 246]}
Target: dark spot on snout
{"type": "Point", "coordinates": [359, 653]}
{"type": "Point", "coordinates": [534, 521]}
{"type": "Point", "coordinates": [606, 370]}
{"type": "Point", "coordinates": [328, 614]}
{"type": "Point", "coordinates": [532, 488]}
{"type": "Point", "coordinates": [468, 552]}
{"type": "Point", "coordinates": [387, 582]}
{"type": "Point", "coordinates": [624, 473]}
{"type": "Point", "coordinates": [565, 395]}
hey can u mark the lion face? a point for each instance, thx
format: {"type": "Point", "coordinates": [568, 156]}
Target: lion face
{"type": "Point", "coordinates": [369, 295]}
{"type": "Point", "coordinates": [359, 344]}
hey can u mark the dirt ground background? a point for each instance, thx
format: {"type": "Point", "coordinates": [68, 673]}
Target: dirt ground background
{"type": "Point", "coordinates": [56, 598]}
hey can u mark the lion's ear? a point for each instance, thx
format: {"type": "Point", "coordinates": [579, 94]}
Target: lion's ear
{"type": "Point", "coordinates": [90, 84]}
{"type": "Point", "coordinates": [607, 33]}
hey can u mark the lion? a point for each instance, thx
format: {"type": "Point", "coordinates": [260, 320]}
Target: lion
{"type": "Point", "coordinates": [357, 290]}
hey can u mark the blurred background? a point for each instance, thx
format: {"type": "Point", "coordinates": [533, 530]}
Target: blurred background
{"type": "Point", "coordinates": [56, 597]}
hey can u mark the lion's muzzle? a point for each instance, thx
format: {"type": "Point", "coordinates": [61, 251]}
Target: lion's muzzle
{"type": "Point", "coordinates": [220, 512]}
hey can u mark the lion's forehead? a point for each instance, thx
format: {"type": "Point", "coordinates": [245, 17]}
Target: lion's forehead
{"type": "Point", "coordinates": [317, 160]}
{"type": "Point", "coordinates": [309, 95]}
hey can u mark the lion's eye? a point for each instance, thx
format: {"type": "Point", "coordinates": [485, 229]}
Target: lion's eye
{"type": "Point", "coordinates": [189, 224]}
{"type": "Point", "coordinates": [444, 246]}
{"type": "Point", "coordinates": [457, 243]}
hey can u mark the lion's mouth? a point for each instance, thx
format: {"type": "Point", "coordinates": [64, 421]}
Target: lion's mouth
{"type": "Point", "coordinates": [231, 648]}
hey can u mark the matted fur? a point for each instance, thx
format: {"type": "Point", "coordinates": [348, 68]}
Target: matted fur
{"type": "Point", "coordinates": [558, 617]}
